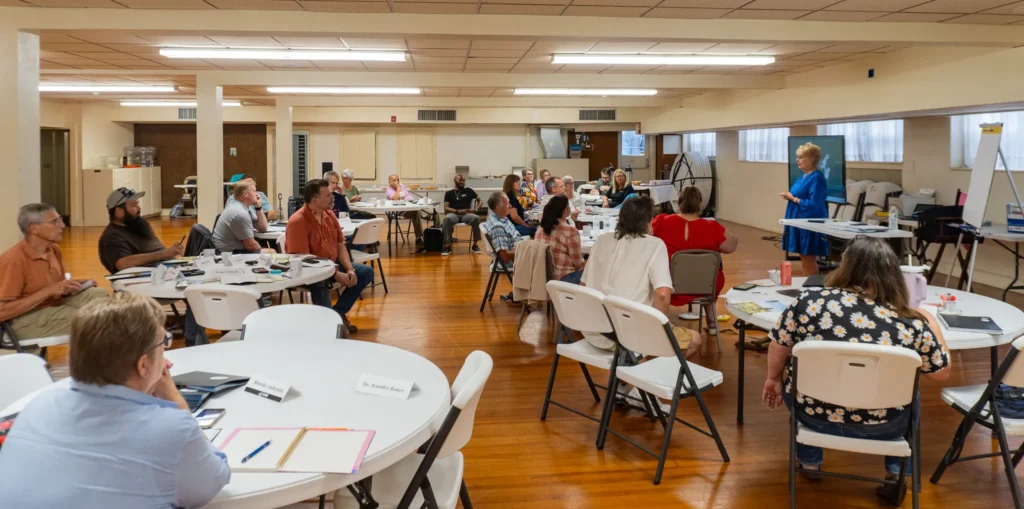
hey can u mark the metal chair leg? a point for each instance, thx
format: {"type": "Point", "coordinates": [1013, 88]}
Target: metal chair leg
{"type": "Point", "coordinates": [522, 315]}
{"type": "Point", "coordinates": [464, 496]}
{"type": "Point", "coordinates": [606, 413]}
{"type": "Point", "coordinates": [718, 333]}
{"type": "Point", "coordinates": [487, 291]}
{"type": "Point", "coordinates": [590, 382]}
{"type": "Point", "coordinates": [551, 385]}
{"type": "Point", "coordinates": [668, 432]}
{"type": "Point", "coordinates": [1004, 448]}
{"type": "Point", "coordinates": [380, 268]}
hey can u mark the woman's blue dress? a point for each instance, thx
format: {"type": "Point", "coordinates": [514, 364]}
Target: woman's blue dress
{"type": "Point", "coordinates": [811, 190]}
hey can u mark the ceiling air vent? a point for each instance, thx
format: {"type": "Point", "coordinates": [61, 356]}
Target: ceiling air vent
{"type": "Point", "coordinates": [597, 114]}
{"type": "Point", "coordinates": [186, 113]}
{"type": "Point", "coordinates": [436, 115]}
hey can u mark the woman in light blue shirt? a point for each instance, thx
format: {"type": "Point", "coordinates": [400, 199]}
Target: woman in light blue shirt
{"type": "Point", "coordinates": [119, 435]}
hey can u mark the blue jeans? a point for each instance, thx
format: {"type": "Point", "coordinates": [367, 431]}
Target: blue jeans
{"type": "Point", "coordinates": [812, 456]}
{"type": "Point", "coordinates": [348, 240]}
{"type": "Point", "coordinates": [320, 293]}
{"type": "Point", "coordinates": [526, 230]}
{"type": "Point", "coordinates": [194, 334]}
{"type": "Point", "coordinates": [573, 277]}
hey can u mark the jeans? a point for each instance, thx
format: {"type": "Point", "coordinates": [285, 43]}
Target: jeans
{"type": "Point", "coordinates": [194, 334]}
{"type": "Point", "coordinates": [450, 220]}
{"type": "Point", "coordinates": [320, 293]}
{"type": "Point", "coordinates": [526, 231]}
{"type": "Point", "coordinates": [573, 277]}
{"type": "Point", "coordinates": [813, 456]}
{"type": "Point", "coordinates": [359, 247]}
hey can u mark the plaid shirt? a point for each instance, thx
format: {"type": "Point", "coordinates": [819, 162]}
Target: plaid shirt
{"type": "Point", "coordinates": [566, 251]}
{"type": "Point", "coordinates": [504, 235]}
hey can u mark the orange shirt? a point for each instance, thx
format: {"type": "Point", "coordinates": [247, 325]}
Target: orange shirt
{"type": "Point", "coordinates": [305, 235]}
{"type": "Point", "coordinates": [23, 272]}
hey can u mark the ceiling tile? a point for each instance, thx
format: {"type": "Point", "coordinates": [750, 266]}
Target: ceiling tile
{"type": "Point", "coordinates": [720, 69]}
{"type": "Point", "coordinates": [63, 46]}
{"type": "Point", "coordinates": [563, 3]}
{"type": "Point", "coordinates": [502, 61]}
{"type": "Point", "coordinates": [736, 48]}
{"type": "Point", "coordinates": [854, 47]}
{"type": "Point", "coordinates": [618, 12]}
{"type": "Point", "coordinates": [260, 42]}
{"type": "Point", "coordinates": [536, 60]}
{"type": "Point", "coordinates": [502, 44]}
{"type": "Point", "coordinates": [721, 4]}
{"type": "Point", "coordinates": [374, 43]}
{"type": "Point", "coordinates": [105, 4]}
{"type": "Point", "coordinates": [55, 54]}
{"type": "Point", "coordinates": [624, 3]}
{"type": "Point", "coordinates": [987, 19]}
{"type": "Point", "coordinates": [620, 47]}
{"type": "Point", "coordinates": [45, 36]}
{"type": "Point", "coordinates": [515, 53]}
{"type": "Point", "coordinates": [814, 57]}
{"type": "Point", "coordinates": [563, 46]}
{"type": "Point", "coordinates": [958, 6]}
{"type": "Point", "coordinates": [686, 13]}
{"type": "Point", "coordinates": [533, 10]}
{"type": "Point", "coordinates": [1014, 8]}
{"type": "Point", "coordinates": [166, 4]}
{"type": "Point", "coordinates": [628, 69]}
{"type": "Point", "coordinates": [438, 67]}
{"type": "Point", "coordinates": [75, 61]}
{"type": "Point", "coordinates": [535, 68]}
{"type": "Point", "coordinates": [591, 68]}
{"type": "Point", "coordinates": [148, 48]}
{"type": "Point", "coordinates": [789, 4]}
{"type": "Point", "coordinates": [437, 43]}
{"type": "Point", "coordinates": [330, 6]}
{"type": "Point", "coordinates": [188, 62]}
{"type": "Point", "coordinates": [489, 67]}
{"type": "Point", "coordinates": [475, 92]}
{"type": "Point", "coordinates": [797, 47]}
{"type": "Point", "coordinates": [185, 40]}
{"type": "Point", "coordinates": [440, 52]}
{"type": "Point", "coordinates": [842, 16]}
{"type": "Point", "coordinates": [310, 42]}
{"type": "Point", "coordinates": [874, 5]}
{"type": "Point", "coordinates": [257, 5]}
{"type": "Point", "coordinates": [679, 47]}
{"type": "Point", "coordinates": [388, 65]}
{"type": "Point", "coordinates": [673, 69]}
{"type": "Point", "coordinates": [106, 37]}
{"type": "Point", "coordinates": [916, 17]}
{"type": "Point", "coordinates": [434, 8]}
{"type": "Point", "coordinates": [764, 14]}
{"type": "Point", "coordinates": [13, 3]}
{"type": "Point", "coordinates": [339, 64]}
{"type": "Point", "coordinates": [440, 92]}
{"type": "Point", "coordinates": [419, 59]}
{"type": "Point", "coordinates": [487, 71]}
{"type": "Point", "coordinates": [240, 63]}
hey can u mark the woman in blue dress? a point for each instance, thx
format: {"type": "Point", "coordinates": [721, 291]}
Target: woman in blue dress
{"type": "Point", "coordinates": [806, 201]}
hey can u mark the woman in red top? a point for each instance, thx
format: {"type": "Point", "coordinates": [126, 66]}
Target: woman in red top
{"type": "Point", "coordinates": [687, 230]}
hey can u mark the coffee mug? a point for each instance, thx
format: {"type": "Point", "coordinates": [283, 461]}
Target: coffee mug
{"type": "Point", "coordinates": [774, 276]}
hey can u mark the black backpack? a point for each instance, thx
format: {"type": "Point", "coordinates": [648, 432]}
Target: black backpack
{"type": "Point", "coordinates": [433, 239]}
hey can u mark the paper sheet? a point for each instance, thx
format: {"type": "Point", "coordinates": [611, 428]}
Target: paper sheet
{"type": "Point", "coordinates": [243, 441]}
{"type": "Point", "coordinates": [329, 450]}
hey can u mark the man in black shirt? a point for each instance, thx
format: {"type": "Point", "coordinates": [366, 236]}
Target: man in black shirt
{"type": "Point", "coordinates": [460, 205]}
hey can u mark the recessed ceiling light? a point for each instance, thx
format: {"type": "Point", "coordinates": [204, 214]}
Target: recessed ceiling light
{"type": "Point", "coordinates": [585, 91]}
{"type": "Point", "coordinates": [284, 54]}
{"type": "Point", "coordinates": [175, 104]}
{"type": "Point", "coordinates": [345, 90]}
{"type": "Point", "coordinates": [663, 59]}
{"type": "Point", "coordinates": [143, 89]}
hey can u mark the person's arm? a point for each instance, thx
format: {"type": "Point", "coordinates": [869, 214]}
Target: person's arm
{"type": "Point", "coordinates": [937, 368]}
{"type": "Point", "coordinates": [575, 249]}
{"type": "Point", "coordinates": [817, 191]}
{"type": "Point", "coordinates": [166, 253]}
{"type": "Point", "coordinates": [730, 244]}
{"type": "Point", "coordinates": [513, 216]}
{"type": "Point", "coordinates": [662, 299]}
{"type": "Point", "coordinates": [261, 222]}
{"type": "Point", "coordinates": [296, 239]}
{"type": "Point", "coordinates": [16, 307]}
{"type": "Point", "coordinates": [202, 469]}
{"type": "Point", "coordinates": [448, 209]}
{"type": "Point", "coordinates": [357, 197]}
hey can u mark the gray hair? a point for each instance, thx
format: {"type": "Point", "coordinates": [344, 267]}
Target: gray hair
{"type": "Point", "coordinates": [568, 181]}
{"type": "Point", "coordinates": [31, 214]}
{"type": "Point", "coordinates": [330, 174]}
{"type": "Point", "coordinates": [348, 174]}
{"type": "Point", "coordinates": [241, 187]}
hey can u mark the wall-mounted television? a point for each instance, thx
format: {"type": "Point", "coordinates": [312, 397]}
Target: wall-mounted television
{"type": "Point", "coordinates": [832, 164]}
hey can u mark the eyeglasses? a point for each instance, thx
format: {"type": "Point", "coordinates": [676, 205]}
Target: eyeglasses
{"type": "Point", "coordinates": [126, 192]}
{"type": "Point", "coordinates": [54, 222]}
{"type": "Point", "coordinates": [166, 341]}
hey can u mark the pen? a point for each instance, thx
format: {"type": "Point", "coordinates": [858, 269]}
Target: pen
{"type": "Point", "coordinates": [257, 451]}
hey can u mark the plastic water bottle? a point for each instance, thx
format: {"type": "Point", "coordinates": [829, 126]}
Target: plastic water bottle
{"type": "Point", "coordinates": [894, 219]}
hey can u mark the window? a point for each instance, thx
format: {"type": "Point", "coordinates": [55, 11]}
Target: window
{"type": "Point", "coordinates": [765, 145]}
{"type": "Point", "coordinates": [700, 142]}
{"type": "Point", "coordinates": [870, 142]}
{"type": "Point", "coordinates": [632, 143]}
{"type": "Point", "coordinates": [966, 133]}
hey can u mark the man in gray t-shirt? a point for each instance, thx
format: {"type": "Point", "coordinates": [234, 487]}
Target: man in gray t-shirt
{"type": "Point", "coordinates": [234, 231]}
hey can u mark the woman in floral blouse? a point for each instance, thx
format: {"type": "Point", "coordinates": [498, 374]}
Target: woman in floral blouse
{"type": "Point", "coordinates": [527, 193]}
{"type": "Point", "coordinates": [865, 301]}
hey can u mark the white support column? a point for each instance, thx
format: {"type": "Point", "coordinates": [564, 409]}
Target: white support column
{"type": "Point", "coordinates": [19, 128]}
{"type": "Point", "coordinates": [283, 165]}
{"type": "Point", "coordinates": [209, 149]}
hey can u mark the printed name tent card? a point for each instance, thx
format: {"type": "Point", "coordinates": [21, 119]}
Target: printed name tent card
{"type": "Point", "coordinates": [270, 389]}
{"type": "Point", "coordinates": [382, 386]}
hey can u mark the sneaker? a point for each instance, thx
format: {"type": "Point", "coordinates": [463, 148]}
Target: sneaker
{"type": "Point", "coordinates": [352, 329]}
{"type": "Point", "coordinates": [419, 241]}
{"type": "Point", "coordinates": [476, 249]}
{"type": "Point", "coordinates": [630, 397]}
{"type": "Point", "coordinates": [892, 493]}
{"type": "Point", "coordinates": [445, 251]}
{"type": "Point", "coordinates": [810, 472]}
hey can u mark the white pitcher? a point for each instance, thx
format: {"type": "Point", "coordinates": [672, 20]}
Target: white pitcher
{"type": "Point", "coordinates": [917, 285]}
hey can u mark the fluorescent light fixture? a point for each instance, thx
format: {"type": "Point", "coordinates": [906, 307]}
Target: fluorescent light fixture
{"type": "Point", "coordinates": [143, 89]}
{"type": "Point", "coordinates": [585, 91]}
{"type": "Point", "coordinates": [663, 59]}
{"type": "Point", "coordinates": [173, 104]}
{"type": "Point", "coordinates": [345, 90]}
{"type": "Point", "coordinates": [283, 54]}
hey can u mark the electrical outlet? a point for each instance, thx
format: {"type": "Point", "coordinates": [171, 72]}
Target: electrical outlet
{"type": "Point", "coordinates": [233, 152]}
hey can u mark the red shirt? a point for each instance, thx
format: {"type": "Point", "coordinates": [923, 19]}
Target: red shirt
{"type": "Point", "coordinates": [305, 235]}
{"type": "Point", "coordinates": [703, 234]}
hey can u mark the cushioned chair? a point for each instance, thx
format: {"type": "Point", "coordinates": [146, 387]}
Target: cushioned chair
{"type": "Point", "coordinates": [695, 272]}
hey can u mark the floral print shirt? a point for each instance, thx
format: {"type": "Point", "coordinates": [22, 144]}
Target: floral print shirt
{"type": "Point", "coordinates": [833, 314]}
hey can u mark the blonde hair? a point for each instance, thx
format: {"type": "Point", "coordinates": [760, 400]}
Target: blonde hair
{"type": "Point", "coordinates": [810, 150]}
{"type": "Point", "coordinates": [108, 336]}
{"type": "Point", "coordinates": [615, 184]}
{"type": "Point", "coordinates": [241, 187]}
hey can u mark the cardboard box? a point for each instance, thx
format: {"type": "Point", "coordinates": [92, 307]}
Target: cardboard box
{"type": "Point", "coordinates": [1014, 218]}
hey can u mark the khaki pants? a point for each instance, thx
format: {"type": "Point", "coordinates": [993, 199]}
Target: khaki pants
{"type": "Point", "coordinates": [54, 320]}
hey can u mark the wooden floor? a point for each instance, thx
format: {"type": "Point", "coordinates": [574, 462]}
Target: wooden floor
{"type": "Point", "coordinates": [516, 461]}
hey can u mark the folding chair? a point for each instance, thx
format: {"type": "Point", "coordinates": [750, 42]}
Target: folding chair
{"type": "Point", "coordinates": [10, 340]}
{"type": "Point", "coordinates": [978, 405]}
{"type": "Point", "coordinates": [222, 307]}
{"type": "Point", "coordinates": [856, 375]}
{"type": "Point", "coordinates": [667, 374]}
{"type": "Point", "coordinates": [935, 226]}
{"type": "Point", "coordinates": [292, 321]}
{"type": "Point", "coordinates": [20, 375]}
{"type": "Point", "coordinates": [368, 234]}
{"type": "Point", "coordinates": [695, 272]}
{"type": "Point", "coordinates": [498, 268]}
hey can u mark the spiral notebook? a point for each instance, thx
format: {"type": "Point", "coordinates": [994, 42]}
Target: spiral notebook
{"type": "Point", "coordinates": [324, 450]}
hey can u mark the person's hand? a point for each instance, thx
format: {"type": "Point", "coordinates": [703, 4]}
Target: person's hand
{"type": "Point", "coordinates": [64, 288]}
{"type": "Point", "coordinates": [165, 388]}
{"type": "Point", "coordinates": [356, 198]}
{"type": "Point", "coordinates": [788, 196]}
{"type": "Point", "coordinates": [772, 395]}
{"type": "Point", "coordinates": [272, 215]}
{"type": "Point", "coordinates": [259, 202]}
{"type": "Point", "coordinates": [175, 251]}
{"type": "Point", "coordinates": [351, 278]}
{"type": "Point", "coordinates": [267, 250]}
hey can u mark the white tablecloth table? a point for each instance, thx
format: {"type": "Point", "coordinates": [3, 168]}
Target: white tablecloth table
{"type": "Point", "coordinates": [394, 213]}
{"type": "Point", "coordinates": [274, 232]}
{"type": "Point", "coordinates": [1009, 318]}
{"type": "Point", "coordinates": [838, 229]}
{"type": "Point", "coordinates": [325, 371]}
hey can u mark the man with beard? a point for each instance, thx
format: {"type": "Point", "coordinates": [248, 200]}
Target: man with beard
{"type": "Point", "coordinates": [129, 241]}
{"type": "Point", "coordinates": [460, 205]}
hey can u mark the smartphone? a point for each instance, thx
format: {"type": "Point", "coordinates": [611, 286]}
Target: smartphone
{"type": "Point", "coordinates": [260, 270]}
{"type": "Point", "coordinates": [745, 286]}
{"type": "Point", "coordinates": [207, 417]}
{"type": "Point", "coordinates": [252, 262]}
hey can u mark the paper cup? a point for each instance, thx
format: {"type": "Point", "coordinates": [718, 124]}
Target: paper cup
{"type": "Point", "coordinates": [296, 267]}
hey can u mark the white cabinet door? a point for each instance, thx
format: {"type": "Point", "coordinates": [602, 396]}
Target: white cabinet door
{"type": "Point", "coordinates": [358, 152]}
{"type": "Point", "coordinates": [155, 192]}
{"type": "Point", "coordinates": [416, 154]}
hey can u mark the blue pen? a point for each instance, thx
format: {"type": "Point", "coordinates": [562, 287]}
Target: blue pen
{"type": "Point", "coordinates": [257, 451]}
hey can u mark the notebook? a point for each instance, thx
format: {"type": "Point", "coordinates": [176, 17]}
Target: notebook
{"type": "Point", "coordinates": [326, 450]}
{"type": "Point", "coordinates": [209, 382]}
{"type": "Point", "coordinates": [978, 324]}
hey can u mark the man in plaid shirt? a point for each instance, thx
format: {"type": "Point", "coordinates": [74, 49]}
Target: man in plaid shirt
{"type": "Point", "coordinates": [502, 231]}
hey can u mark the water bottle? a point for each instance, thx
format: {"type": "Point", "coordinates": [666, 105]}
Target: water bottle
{"type": "Point", "coordinates": [894, 219]}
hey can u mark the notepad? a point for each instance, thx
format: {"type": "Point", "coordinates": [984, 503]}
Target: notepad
{"type": "Point", "coordinates": [978, 324]}
{"type": "Point", "coordinates": [325, 450]}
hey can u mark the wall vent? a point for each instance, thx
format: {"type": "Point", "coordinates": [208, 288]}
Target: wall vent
{"type": "Point", "coordinates": [597, 114]}
{"type": "Point", "coordinates": [186, 113]}
{"type": "Point", "coordinates": [436, 115]}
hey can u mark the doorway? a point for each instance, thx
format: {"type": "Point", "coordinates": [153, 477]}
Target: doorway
{"type": "Point", "coordinates": [54, 164]}
{"type": "Point", "coordinates": [603, 150]}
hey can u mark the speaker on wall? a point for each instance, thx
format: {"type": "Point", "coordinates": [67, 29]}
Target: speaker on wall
{"type": "Point", "coordinates": [327, 167]}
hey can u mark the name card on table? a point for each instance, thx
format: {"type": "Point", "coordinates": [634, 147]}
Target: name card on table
{"type": "Point", "coordinates": [270, 389]}
{"type": "Point", "coordinates": [381, 386]}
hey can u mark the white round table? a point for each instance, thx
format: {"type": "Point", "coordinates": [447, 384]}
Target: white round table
{"type": "Point", "coordinates": [1009, 318]}
{"type": "Point", "coordinates": [326, 372]}
{"type": "Point", "coordinates": [275, 232]}
{"type": "Point", "coordinates": [144, 286]}
{"type": "Point", "coordinates": [394, 213]}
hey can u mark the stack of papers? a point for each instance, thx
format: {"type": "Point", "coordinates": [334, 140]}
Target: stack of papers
{"type": "Point", "coordinates": [763, 306]}
{"type": "Point", "coordinates": [321, 450]}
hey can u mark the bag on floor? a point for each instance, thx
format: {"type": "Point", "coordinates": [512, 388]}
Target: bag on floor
{"type": "Point", "coordinates": [433, 239]}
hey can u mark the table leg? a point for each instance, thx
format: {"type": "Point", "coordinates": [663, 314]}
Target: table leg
{"type": "Point", "coordinates": [1016, 269]}
{"type": "Point", "coordinates": [741, 327]}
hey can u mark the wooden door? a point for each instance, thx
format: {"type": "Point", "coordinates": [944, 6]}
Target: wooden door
{"type": "Point", "coordinates": [416, 154]}
{"type": "Point", "coordinates": [358, 153]}
{"type": "Point", "coordinates": [604, 151]}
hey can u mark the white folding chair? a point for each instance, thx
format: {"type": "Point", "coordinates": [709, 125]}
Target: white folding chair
{"type": "Point", "coordinates": [368, 234]}
{"type": "Point", "coordinates": [666, 374]}
{"type": "Point", "coordinates": [8, 340]}
{"type": "Point", "coordinates": [222, 307]}
{"type": "Point", "coordinates": [978, 405]}
{"type": "Point", "coordinates": [433, 474]}
{"type": "Point", "coordinates": [498, 268]}
{"type": "Point", "coordinates": [292, 321]}
{"type": "Point", "coordinates": [281, 245]}
{"type": "Point", "coordinates": [20, 375]}
{"type": "Point", "coordinates": [856, 375]}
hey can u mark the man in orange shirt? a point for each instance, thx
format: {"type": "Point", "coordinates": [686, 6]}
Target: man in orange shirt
{"type": "Point", "coordinates": [34, 295]}
{"type": "Point", "coordinates": [315, 230]}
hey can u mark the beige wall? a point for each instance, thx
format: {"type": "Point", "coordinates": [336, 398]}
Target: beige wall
{"type": "Point", "coordinates": [748, 193]}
